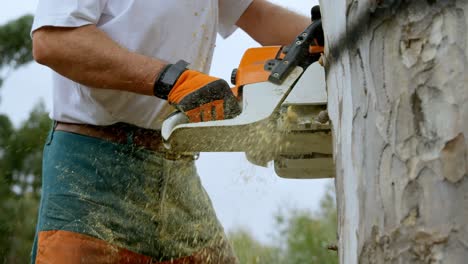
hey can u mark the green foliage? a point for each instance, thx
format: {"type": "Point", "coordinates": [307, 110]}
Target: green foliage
{"type": "Point", "coordinates": [250, 251]}
{"type": "Point", "coordinates": [18, 228]}
{"type": "Point", "coordinates": [15, 42]}
{"type": "Point", "coordinates": [6, 208]}
{"type": "Point", "coordinates": [307, 239]}
{"type": "Point", "coordinates": [24, 152]}
{"type": "Point", "coordinates": [6, 130]}
{"type": "Point", "coordinates": [20, 180]}
{"type": "Point", "coordinates": [303, 237]}
{"type": "Point", "coordinates": [20, 154]}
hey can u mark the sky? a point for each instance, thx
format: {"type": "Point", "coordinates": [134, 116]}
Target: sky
{"type": "Point", "coordinates": [243, 195]}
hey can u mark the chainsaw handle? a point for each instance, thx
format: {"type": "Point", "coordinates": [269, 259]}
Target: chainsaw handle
{"type": "Point", "coordinates": [315, 13]}
{"type": "Point", "coordinates": [299, 53]}
{"type": "Point", "coordinates": [318, 46]}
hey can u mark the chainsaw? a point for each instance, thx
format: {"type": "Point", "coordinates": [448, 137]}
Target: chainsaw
{"type": "Point", "coordinates": [284, 118]}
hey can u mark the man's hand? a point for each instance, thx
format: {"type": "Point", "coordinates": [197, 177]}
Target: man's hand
{"type": "Point", "coordinates": [201, 97]}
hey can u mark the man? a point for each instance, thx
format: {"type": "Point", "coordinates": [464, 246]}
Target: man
{"type": "Point", "coordinates": [111, 193]}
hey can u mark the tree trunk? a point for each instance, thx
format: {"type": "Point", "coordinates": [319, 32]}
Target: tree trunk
{"type": "Point", "coordinates": [398, 101]}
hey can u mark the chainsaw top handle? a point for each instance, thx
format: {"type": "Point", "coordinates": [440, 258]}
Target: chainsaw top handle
{"type": "Point", "coordinates": [305, 50]}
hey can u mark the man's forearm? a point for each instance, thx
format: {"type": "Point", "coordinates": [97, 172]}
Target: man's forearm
{"type": "Point", "coordinates": [88, 56]}
{"type": "Point", "coordinates": [270, 24]}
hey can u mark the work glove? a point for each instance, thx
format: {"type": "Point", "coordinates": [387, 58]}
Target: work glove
{"type": "Point", "coordinates": [201, 97]}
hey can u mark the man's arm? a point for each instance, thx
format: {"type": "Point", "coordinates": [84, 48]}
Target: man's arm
{"type": "Point", "coordinates": [270, 24]}
{"type": "Point", "coordinates": [88, 56]}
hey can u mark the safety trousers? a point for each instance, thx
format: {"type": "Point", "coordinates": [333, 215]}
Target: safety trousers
{"type": "Point", "coordinates": [106, 202]}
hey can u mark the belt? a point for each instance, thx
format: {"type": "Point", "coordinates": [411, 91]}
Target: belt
{"type": "Point", "coordinates": [123, 133]}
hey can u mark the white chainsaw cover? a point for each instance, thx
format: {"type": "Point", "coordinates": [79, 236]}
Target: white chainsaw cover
{"type": "Point", "coordinates": [277, 124]}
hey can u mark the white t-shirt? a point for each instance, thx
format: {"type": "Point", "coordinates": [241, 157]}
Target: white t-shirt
{"type": "Point", "coordinates": [165, 29]}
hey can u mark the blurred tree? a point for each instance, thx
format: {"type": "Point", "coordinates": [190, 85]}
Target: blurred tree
{"type": "Point", "coordinates": [306, 236]}
{"type": "Point", "coordinates": [302, 238]}
{"type": "Point", "coordinates": [15, 45]}
{"type": "Point", "coordinates": [20, 181]}
{"type": "Point", "coordinates": [250, 251]}
{"type": "Point", "coordinates": [6, 208]}
{"type": "Point", "coordinates": [20, 153]}
{"type": "Point", "coordinates": [19, 228]}
{"type": "Point", "coordinates": [20, 176]}
{"type": "Point", "coordinates": [24, 152]}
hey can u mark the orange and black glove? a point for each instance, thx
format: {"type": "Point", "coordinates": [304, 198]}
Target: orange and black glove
{"type": "Point", "coordinates": [201, 97]}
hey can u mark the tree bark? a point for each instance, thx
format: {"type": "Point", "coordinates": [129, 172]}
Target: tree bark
{"type": "Point", "coordinates": [398, 101]}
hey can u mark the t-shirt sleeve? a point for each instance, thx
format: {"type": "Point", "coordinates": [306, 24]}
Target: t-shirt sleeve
{"type": "Point", "coordinates": [229, 12]}
{"type": "Point", "coordinates": [67, 13]}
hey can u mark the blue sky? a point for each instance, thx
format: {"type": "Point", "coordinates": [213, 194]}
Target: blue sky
{"type": "Point", "coordinates": [243, 195]}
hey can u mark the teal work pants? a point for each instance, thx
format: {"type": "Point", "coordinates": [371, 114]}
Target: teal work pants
{"type": "Point", "coordinates": [101, 198]}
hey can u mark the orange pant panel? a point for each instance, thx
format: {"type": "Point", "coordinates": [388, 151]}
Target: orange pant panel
{"type": "Point", "coordinates": [73, 248]}
{"type": "Point", "coordinates": [58, 247]}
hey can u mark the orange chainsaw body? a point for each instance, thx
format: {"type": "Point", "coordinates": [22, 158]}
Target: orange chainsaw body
{"type": "Point", "coordinates": [252, 66]}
